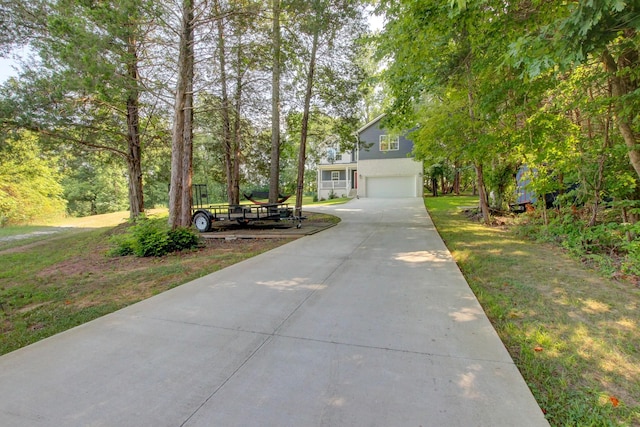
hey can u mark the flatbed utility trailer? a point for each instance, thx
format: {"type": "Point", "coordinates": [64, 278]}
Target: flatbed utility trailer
{"type": "Point", "coordinates": [204, 217]}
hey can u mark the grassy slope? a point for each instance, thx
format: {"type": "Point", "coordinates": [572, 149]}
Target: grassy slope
{"type": "Point", "coordinates": [50, 283]}
{"type": "Point", "coordinates": [574, 335]}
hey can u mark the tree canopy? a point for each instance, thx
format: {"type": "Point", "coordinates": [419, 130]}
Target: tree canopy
{"type": "Point", "coordinates": [501, 84]}
{"type": "Point", "coordinates": [106, 78]}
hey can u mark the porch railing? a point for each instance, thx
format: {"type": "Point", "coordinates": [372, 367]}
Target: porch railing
{"type": "Point", "coordinates": [328, 185]}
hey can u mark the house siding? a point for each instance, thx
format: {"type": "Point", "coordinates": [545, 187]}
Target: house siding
{"type": "Point", "coordinates": [369, 146]}
{"type": "Point", "coordinates": [326, 174]}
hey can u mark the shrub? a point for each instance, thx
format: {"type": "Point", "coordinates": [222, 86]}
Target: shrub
{"type": "Point", "coordinates": [183, 238]}
{"type": "Point", "coordinates": [122, 245]}
{"type": "Point", "coordinates": [153, 237]}
{"type": "Point", "coordinates": [609, 245]}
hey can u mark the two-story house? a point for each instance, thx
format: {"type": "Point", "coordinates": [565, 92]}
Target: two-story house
{"type": "Point", "coordinates": [381, 166]}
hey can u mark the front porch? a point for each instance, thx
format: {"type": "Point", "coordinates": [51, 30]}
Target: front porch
{"type": "Point", "coordinates": [337, 181]}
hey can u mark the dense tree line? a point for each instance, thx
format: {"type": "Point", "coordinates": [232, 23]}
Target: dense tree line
{"type": "Point", "coordinates": [551, 86]}
{"type": "Point", "coordinates": [144, 96]}
{"type": "Point", "coordinates": [175, 91]}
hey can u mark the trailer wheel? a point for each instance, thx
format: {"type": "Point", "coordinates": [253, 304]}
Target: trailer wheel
{"type": "Point", "coordinates": [242, 221]}
{"type": "Point", "coordinates": [202, 222]}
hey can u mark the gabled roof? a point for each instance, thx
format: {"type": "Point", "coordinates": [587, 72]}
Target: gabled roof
{"type": "Point", "coordinates": [371, 123]}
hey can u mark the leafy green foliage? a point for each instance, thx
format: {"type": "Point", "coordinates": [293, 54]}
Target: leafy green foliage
{"type": "Point", "coordinates": [612, 246]}
{"type": "Point", "coordinates": [29, 183]}
{"type": "Point", "coordinates": [483, 81]}
{"type": "Point", "coordinates": [183, 238]}
{"type": "Point", "coordinates": [153, 237]}
{"type": "Point", "coordinates": [85, 90]}
{"type": "Point", "coordinates": [94, 185]}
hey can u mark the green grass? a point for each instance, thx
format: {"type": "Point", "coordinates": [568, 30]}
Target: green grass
{"type": "Point", "coordinates": [309, 201]}
{"type": "Point", "coordinates": [51, 283]}
{"type": "Point", "coordinates": [573, 334]}
{"type": "Point", "coordinates": [67, 279]}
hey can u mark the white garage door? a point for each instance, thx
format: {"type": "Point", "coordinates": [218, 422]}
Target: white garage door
{"type": "Point", "coordinates": [391, 186]}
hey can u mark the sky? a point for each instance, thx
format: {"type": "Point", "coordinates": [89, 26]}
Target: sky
{"type": "Point", "coordinates": [6, 69]}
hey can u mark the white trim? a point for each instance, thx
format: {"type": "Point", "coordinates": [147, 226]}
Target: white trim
{"type": "Point", "coordinates": [390, 142]}
{"type": "Point", "coordinates": [368, 125]}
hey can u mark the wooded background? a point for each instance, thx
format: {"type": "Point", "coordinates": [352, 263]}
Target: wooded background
{"type": "Point", "coordinates": [118, 101]}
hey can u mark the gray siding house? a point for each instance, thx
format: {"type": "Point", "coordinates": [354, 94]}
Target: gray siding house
{"type": "Point", "coordinates": [382, 166]}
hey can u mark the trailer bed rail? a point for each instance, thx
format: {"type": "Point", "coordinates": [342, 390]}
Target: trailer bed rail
{"type": "Point", "coordinates": [204, 217]}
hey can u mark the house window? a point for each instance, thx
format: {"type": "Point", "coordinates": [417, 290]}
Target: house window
{"type": "Point", "coordinates": [389, 143]}
{"type": "Point", "coordinates": [331, 155]}
{"type": "Point", "coordinates": [335, 175]}
{"type": "Point", "coordinates": [338, 157]}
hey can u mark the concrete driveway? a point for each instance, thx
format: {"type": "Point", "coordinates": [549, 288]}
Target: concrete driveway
{"type": "Point", "coordinates": [369, 323]}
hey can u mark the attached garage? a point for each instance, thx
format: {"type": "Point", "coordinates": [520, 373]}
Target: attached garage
{"type": "Point", "coordinates": [389, 178]}
{"type": "Point", "coordinates": [391, 186]}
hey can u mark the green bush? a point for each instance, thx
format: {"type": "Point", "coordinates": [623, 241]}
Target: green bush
{"type": "Point", "coordinates": [122, 245]}
{"type": "Point", "coordinates": [153, 237]}
{"type": "Point", "coordinates": [609, 245]}
{"type": "Point", "coordinates": [183, 238]}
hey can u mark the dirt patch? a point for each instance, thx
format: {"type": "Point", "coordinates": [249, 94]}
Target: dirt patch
{"type": "Point", "coordinates": [96, 279]}
{"type": "Point", "coordinates": [30, 307]}
{"type": "Point", "coordinates": [98, 264]}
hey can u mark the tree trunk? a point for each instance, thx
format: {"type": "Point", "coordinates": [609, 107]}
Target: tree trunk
{"type": "Point", "coordinates": [182, 137]}
{"type": "Point", "coordinates": [302, 158]}
{"type": "Point", "coordinates": [134, 171]}
{"type": "Point", "coordinates": [177, 144]}
{"type": "Point", "coordinates": [456, 179]}
{"type": "Point", "coordinates": [482, 193]}
{"type": "Point", "coordinates": [622, 86]}
{"type": "Point", "coordinates": [237, 139]}
{"type": "Point", "coordinates": [274, 170]}
{"type": "Point", "coordinates": [187, 135]}
{"type": "Point", "coordinates": [226, 125]}
{"type": "Point", "coordinates": [134, 154]}
{"type": "Point", "coordinates": [599, 179]}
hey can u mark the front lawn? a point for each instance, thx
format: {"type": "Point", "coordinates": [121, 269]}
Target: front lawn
{"type": "Point", "coordinates": [54, 282]}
